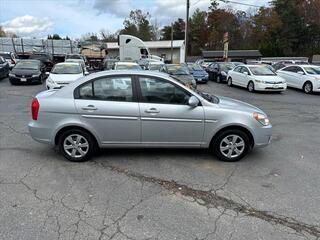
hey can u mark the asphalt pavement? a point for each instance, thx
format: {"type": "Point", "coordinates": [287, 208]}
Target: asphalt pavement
{"type": "Point", "coordinates": [163, 194]}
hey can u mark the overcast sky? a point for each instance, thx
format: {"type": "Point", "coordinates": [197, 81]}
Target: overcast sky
{"type": "Point", "coordinates": [38, 18]}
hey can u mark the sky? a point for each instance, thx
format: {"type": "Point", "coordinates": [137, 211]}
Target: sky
{"type": "Point", "coordinates": [73, 18]}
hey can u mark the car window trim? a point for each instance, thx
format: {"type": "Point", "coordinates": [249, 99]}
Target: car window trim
{"type": "Point", "coordinates": [139, 93]}
{"type": "Point", "coordinates": [76, 92]}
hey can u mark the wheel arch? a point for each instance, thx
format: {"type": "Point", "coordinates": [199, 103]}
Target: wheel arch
{"type": "Point", "coordinates": [233, 127]}
{"type": "Point", "coordinates": [73, 127]}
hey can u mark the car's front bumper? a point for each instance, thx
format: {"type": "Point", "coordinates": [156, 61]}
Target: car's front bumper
{"type": "Point", "coordinates": [262, 136]}
{"type": "Point", "coordinates": [270, 87]}
{"type": "Point", "coordinates": [27, 80]}
{"type": "Point", "coordinates": [201, 79]}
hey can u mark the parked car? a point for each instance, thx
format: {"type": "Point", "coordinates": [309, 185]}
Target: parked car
{"type": "Point", "coordinates": [126, 66]}
{"type": "Point", "coordinates": [218, 71]}
{"type": "Point", "coordinates": [79, 61]}
{"type": "Point", "coordinates": [45, 58]}
{"type": "Point", "coordinates": [10, 57]}
{"type": "Point", "coordinates": [4, 68]}
{"type": "Point", "coordinates": [305, 77]}
{"type": "Point", "coordinates": [154, 110]}
{"type": "Point", "coordinates": [198, 73]}
{"type": "Point", "coordinates": [154, 66]}
{"type": "Point", "coordinates": [181, 73]}
{"type": "Point", "coordinates": [76, 57]}
{"type": "Point", "coordinates": [282, 64]}
{"type": "Point", "coordinates": [63, 74]}
{"type": "Point", "coordinates": [237, 63]}
{"type": "Point", "coordinates": [204, 63]}
{"type": "Point", "coordinates": [108, 63]}
{"type": "Point", "coordinates": [27, 71]}
{"type": "Point", "coordinates": [256, 78]}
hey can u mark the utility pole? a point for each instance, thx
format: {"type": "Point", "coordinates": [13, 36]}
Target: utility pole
{"type": "Point", "coordinates": [186, 31]}
{"type": "Point", "coordinates": [171, 42]}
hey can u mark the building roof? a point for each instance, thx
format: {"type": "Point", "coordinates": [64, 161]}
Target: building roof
{"type": "Point", "coordinates": [152, 44]}
{"type": "Point", "coordinates": [232, 53]}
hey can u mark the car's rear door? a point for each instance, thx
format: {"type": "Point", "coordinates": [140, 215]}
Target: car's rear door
{"type": "Point", "coordinates": [166, 117]}
{"type": "Point", "coordinates": [112, 112]}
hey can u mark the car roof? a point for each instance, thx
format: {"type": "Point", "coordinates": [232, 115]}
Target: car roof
{"type": "Point", "coordinates": [29, 60]}
{"type": "Point", "coordinates": [126, 63]}
{"type": "Point", "coordinates": [68, 63]}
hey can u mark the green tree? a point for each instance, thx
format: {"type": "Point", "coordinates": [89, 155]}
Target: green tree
{"type": "Point", "coordinates": [138, 24]}
{"type": "Point", "coordinates": [178, 30]}
{"type": "Point", "coordinates": [198, 32]}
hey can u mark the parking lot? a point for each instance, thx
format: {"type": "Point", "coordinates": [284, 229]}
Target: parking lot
{"type": "Point", "coordinates": [163, 194]}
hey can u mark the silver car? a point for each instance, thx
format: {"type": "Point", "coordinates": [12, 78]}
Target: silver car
{"type": "Point", "coordinates": [152, 110]}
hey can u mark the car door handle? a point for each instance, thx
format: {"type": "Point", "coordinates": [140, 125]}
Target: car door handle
{"type": "Point", "coordinates": [152, 110]}
{"type": "Point", "coordinates": [90, 108]}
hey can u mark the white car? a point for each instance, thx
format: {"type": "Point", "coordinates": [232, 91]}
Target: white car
{"type": "Point", "coordinates": [256, 78]}
{"type": "Point", "coordinates": [64, 73]}
{"type": "Point", "coordinates": [126, 66]}
{"type": "Point", "coordinates": [305, 77]}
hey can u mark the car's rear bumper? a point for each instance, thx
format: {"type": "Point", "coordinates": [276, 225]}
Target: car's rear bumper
{"type": "Point", "coordinates": [39, 133]}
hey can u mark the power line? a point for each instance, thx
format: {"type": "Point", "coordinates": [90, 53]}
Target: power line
{"type": "Point", "coordinates": [239, 3]}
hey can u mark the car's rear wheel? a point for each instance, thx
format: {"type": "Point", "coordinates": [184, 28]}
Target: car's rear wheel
{"type": "Point", "coordinates": [251, 86]}
{"type": "Point", "coordinates": [307, 87]}
{"type": "Point", "coordinates": [76, 145]}
{"type": "Point", "coordinates": [231, 145]}
{"type": "Point", "coordinates": [229, 82]}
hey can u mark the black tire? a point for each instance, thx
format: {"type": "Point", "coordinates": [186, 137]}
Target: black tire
{"type": "Point", "coordinates": [250, 87]}
{"type": "Point", "coordinates": [230, 132]}
{"type": "Point", "coordinates": [218, 79]}
{"type": "Point", "coordinates": [307, 87]}
{"type": "Point", "coordinates": [229, 82]}
{"type": "Point", "coordinates": [77, 132]}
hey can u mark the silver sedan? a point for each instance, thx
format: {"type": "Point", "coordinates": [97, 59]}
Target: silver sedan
{"type": "Point", "coordinates": [144, 109]}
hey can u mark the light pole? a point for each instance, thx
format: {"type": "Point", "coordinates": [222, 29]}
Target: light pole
{"type": "Point", "coordinates": [186, 30]}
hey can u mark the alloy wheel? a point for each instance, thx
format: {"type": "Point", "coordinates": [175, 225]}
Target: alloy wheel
{"type": "Point", "coordinates": [232, 146]}
{"type": "Point", "coordinates": [307, 88]}
{"type": "Point", "coordinates": [76, 146]}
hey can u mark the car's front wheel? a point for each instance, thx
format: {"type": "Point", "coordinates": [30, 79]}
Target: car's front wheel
{"type": "Point", "coordinates": [251, 87]}
{"type": "Point", "coordinates": [76, 145]}
{"type": "Point", "coordinates": [229, 82]}
{"type": "Point", "coordinates": [307, 87]}
{"type": "Point", "coordinates": [231, 145]}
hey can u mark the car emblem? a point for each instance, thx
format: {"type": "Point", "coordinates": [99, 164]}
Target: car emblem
{"type": "Point", "coordinates": [23, 76]}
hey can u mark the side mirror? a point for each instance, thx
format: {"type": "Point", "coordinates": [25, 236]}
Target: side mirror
{"type": "Point", "coordinates": [86, 73]}
{"type": "Point", "coordinates": [193, 101]}
{"type": "Point", "coordinates": [246, 73]}
{"type": "Point", "coordinates": [301, 73]}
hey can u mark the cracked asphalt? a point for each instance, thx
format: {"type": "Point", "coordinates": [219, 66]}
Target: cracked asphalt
{"type": "Point", "coordinates": [163, 194]}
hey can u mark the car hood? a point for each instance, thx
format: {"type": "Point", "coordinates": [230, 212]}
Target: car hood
{"type": "Point", "coordinates": [18, 71]}
{"type": "Point", "coordinates": [230, 103]}
{"type": "Point", "coordinates": [199, 72]}
{"type": "Point", "coordinates": [65, 77]}
{"type": "Point", "coordinates": [269, 78]}
{"type": "Point", "coordinates": [184, 78]}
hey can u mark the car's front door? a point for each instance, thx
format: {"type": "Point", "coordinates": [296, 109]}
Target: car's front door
{"type": "Point", "coordinates": [244, 77]}
{"type": "Point", "coordinates": [113, 113]}
{"type": "Point", "coordinates": [166, 117]}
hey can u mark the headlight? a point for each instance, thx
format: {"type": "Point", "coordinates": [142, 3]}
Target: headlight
{"type": "Point", "coordinates": [36, 75]}
{"type": "Point", "coordinates": [259, 81]}
{"type": "Point", "coordinates": [261, 119]}
{"type": "Point", "coordinates": [11, 75]}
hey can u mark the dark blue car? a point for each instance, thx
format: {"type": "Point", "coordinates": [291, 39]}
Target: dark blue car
{"type": "Point", "coordinates": [198, 73]}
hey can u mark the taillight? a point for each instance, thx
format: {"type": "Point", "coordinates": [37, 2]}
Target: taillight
{"type": "Point", "coordinates": [35, 106]}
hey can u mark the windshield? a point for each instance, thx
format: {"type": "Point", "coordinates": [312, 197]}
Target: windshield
{"type": "Point", "coordinates": [127, 67]}
{"type": "Point", "coordinates": [195, 67]}
{"type": "Point", "coordinates": [5, 55]}
{"type": "Point", "coordinates": [155, 66]}
{"type": "Point", "coordinates": [262, 71]}
{"type": "Point", "coordinates": [73, 57]}
{"type": "Point", "coordinates": [66, 69]}
{"type": "Point", "coordinates": [312, 70]}
{"type": "Point", "coordinates": [178, 70]}
{"type": "Point", "coordinates": [226, 67]}
{"type": "Point", "coordinates": [27, 65]}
